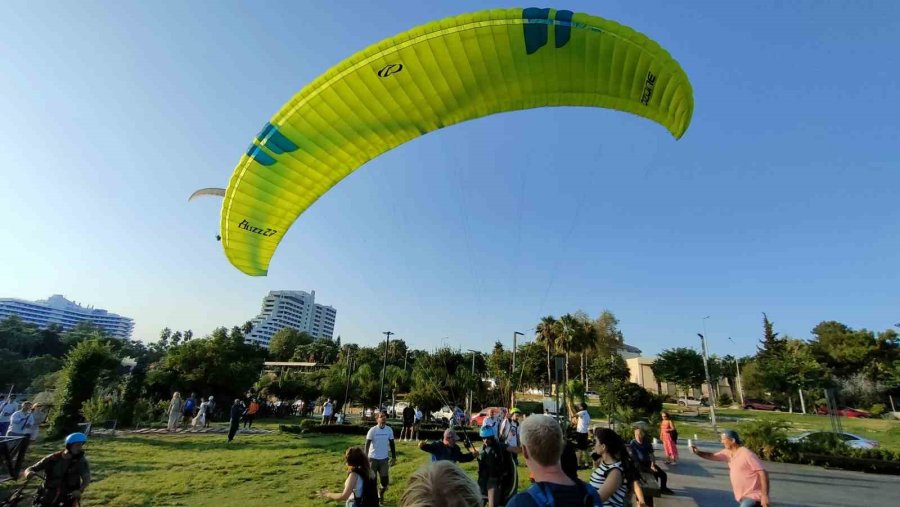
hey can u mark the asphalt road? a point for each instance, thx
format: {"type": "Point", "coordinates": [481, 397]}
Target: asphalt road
{"type": "Point", "coordinates": [707, 483]}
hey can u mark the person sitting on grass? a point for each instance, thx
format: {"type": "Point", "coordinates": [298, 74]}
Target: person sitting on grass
{"type": "Point", "coordinates": [359, 487]}
{"type": "Point", "coordinates": [67, 474]}
{"type": "Point", "coordinates": [447, 449]}
{"type": "Point", "coordinates": [441, 484]}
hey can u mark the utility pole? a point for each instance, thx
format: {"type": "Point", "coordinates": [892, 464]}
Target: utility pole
{"type": "Point", "coordinates": [737, 365]}
{"type": "Point", "coordinates": [387, 342]}
{"type": "Point", "coordinates": [712, 408]}
{"type": "Point", "coordinates": [471, 395]}
{"type": "Point", "coordinates": [512, 400]}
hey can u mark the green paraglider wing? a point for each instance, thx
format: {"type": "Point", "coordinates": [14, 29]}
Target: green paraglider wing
{"type": "Point", "coordinates": [430, 77]}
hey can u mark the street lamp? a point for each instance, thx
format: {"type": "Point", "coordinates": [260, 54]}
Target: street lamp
{"type": "Point", "coordinates": [512, 401]}
{"type": "Point", "coordinates": [387, 342]}
{"type": "Point", "coordinates": [737, 364]}
{"type": "Point", "coordinates": [712, 408]}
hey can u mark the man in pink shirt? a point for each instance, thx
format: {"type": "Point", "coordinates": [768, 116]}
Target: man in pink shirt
{"type": "Point", "coordinates": [749, 479]}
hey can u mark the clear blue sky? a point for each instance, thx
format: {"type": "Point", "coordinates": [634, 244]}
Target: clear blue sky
{"type": "Point", "coordinates": [782, 196]}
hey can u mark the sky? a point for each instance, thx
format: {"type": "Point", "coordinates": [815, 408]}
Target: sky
{"type": "Point", "coordinates": [781, 197]}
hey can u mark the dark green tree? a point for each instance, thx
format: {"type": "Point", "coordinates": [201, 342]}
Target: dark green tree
{"type": "Point", "coordinates": [85, 364]}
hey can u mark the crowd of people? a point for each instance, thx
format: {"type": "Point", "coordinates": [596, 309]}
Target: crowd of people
{"type": "Point", "coordinates": [620, 469]}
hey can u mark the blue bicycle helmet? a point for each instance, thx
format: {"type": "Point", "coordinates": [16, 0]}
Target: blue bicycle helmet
{"type": "Point", "coordinates": [76, 438]}
{"type": "Point", "coordinates": [486, 432]}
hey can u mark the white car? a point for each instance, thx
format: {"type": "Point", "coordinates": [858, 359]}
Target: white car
{"type": "Point", "coordinates": [445, 414]}
{"type": "Point", "coordinates": [690, 401]}
{"type": "Point", "coordinates": [398, 408]}
{"type": "Point", "coordinates": [851, 440]}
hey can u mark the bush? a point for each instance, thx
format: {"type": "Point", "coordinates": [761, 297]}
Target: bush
{"type": "Point", "coordinates": [99, 408]}
{"type": "Point", "coordinates": [765, 437]}
{"type": "Point", "coordinates": [530, 407]}
{"type": "Point", "coordinates": [641, 401]}
{"type": "Point", "coordinates": [725, 400]}
{"type": "Point", "coordinates": [878, 409]}
{"type": "Point", "coordinates": [84, 365]}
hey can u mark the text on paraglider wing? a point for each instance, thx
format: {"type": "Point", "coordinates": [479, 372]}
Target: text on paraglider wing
{"type": "Point", "coordinates": [390, 69]}
{"type": "Point", "coordinates": [648, 88]}
{"type": "Point", "coordinates": [245, 225]}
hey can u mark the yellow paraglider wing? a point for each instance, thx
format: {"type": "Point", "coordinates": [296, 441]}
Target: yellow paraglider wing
{"type": "Point", "coordinates": [436, 75]}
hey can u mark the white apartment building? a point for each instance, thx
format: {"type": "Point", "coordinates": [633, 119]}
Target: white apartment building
{"type": "Point", "coordinates": [292, 308]}
{"type": "Point", "coordinates": [59, 310]}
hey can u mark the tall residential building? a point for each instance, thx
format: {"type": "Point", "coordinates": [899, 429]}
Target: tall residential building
{"type": "Point", "coordinates": [292, 308]}
{"type": "Point", "coordinates": [59, 310]}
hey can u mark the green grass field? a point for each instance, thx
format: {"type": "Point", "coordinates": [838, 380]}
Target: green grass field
{"type": "Point", "coordinates": [886, 432]}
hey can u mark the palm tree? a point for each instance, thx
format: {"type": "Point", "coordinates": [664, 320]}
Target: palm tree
{"type": "Point", "coordinates": [545, 334]}
{"type": "Point", "coordinates": [569, 330]}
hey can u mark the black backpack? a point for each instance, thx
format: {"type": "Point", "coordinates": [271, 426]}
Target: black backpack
{"type": "Point", "coordinates": [370, 490]}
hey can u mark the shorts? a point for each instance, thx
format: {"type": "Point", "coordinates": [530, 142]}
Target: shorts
{"type": "Point", "coordinates": [381, 467]}
{"type": "Point", "coordinates": [582, 442]}
{"type": "Point", "coordinates": [407, 424]}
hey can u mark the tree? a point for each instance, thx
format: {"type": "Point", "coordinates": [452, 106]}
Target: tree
{"type": "Point", "coordinates": [681, 366]}
{"type": "Point", "coordinates": [84, 366]}
{"type": "Point", "coordinates": [545, 333]}
{"type": "Point", "coordinates": [729, 373]}
{"type": "Point", "coordinates": [770, 345]}
{"type": "Point", "coordinates": [568, 335]}
{"type": "Point", "coordinates": [802, 370]}
{"type": "Point", "coordinates": [285, 342]}
{"type": "Point", "coordinates": [609, 373]}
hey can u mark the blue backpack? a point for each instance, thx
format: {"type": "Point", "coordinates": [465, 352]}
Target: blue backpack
{"type": "Point", "coordinates": [544, 499]}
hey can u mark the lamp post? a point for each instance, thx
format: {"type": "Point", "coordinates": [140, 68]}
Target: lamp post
{"type": "Point", "coordinates": [471, 391]}
{"type": "Point", "coordinates": [387, 342]}
{"type": "Point", "coordinates": [737, 365]}
{"type": "Point", "coordinates": [512, 396]}
{"type": "Point", "coordinates": [712, 409]}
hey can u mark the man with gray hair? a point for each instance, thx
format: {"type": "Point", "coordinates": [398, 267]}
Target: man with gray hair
{"type": "Point", "coordinates": [446, 449]}
{"type": "Point", "coordinates": [749, 479]}
{"type": "Point", "coordinates": [542, 446]}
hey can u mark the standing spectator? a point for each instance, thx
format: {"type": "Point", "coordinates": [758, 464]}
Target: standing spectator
{"type": "Point", "coordinates": [210, 411]}
{"type": "Point", "coordinates": [40, 415]}
{"type": "Point", "coordinates": [417, 422]}
{"type": "Point", "coordinates": [542, 446]}
{"type": "Point", "coordinates": [189, 405]}
{"type": "Point", "coordinates": [21, 421]}
{"type": "Point", "coordinates": [609, 478]}
{"type": "Point", "coordinates": [582, 436]}
{"type": "Point", "coordinates": [7, 408]}
{"type": "Point", "coordinates": [175, 408]}
{"type": "Point", "coordinates": [237, 410]}
{"type": "Point", "coordinates": [379, 439]}
{"type": "Point", "coordinates": [668, 434]}
{"type": "Point", "coordinates": [251, 413]}
{"type": "Point", "coordinates": [327, 411]}
{"type": "Point", "coordinates": [749, 478]}
{"type": "Point", "coordinates": [509, 434]}
{"type": "Point", "coordinates": [490, 420]}
{"type": "Point", "coordinates": [441, 483]}
{"type": "Point", "coordinates": [409, 418]}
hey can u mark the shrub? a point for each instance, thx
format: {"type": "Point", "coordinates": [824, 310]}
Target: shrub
{"type": "Point", "coordinates": [99, 408]}
{"type": "Point", "coordinates": [84, 365]}
{"type": "Point", "coordinates": [725, 400]}
{"type": "Point", "coordinates": [530, 407]}
{"type": "Point", "coordinates": [878, 409]}
{"type": "Point", "coordinates": [765, 437]}
{"type": "Point", "coordinates": [641, 401]}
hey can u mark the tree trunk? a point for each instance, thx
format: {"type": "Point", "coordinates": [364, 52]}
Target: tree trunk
{"type": "Point", "coordinates": [802, 402]}
{"type": "Point", "coordinates": [790, 403]}
{"type": "Point", "coordinates": [734, 395]}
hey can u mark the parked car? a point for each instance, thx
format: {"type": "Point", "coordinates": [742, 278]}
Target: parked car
{"type": "Point", "coordinates": [477, 418]}
{"type": "Point", "coordinates": [398, 408]}
{"type": "Point", "coordinates": [822, 437]}
{"type": "Point", "coordinates": [592, 394]}
{"type": "Point", "coordinates": [846, 412]}
{"type": "Point", "coordinates": [759, 405]}
{"type": "Point", "coordinates": [445, 414]}
{"type": "Point", "coordinates": [690, 401]}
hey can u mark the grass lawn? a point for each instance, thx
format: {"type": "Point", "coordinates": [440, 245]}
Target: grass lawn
{"type": "Point", "coordinates": [252, 471]}
{"type": "Point", "coordinates": [885, 431]}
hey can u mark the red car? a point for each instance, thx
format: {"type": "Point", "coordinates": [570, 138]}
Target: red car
{"type": "Point", "coordinates": [759, 405]}
{"type": "Point", "coordinates": [846, 412]}
{"type": "Point", "coordinates": [478, 419]}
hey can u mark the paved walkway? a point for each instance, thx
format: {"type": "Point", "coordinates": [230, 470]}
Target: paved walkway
{"type": "Point", "coordinates": [707, 483]}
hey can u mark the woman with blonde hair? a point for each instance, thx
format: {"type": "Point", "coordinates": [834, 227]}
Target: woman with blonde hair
{"type": "Point", "coordinates": [359, 487]}
{"type": "Point", "coordinates": [441, 484]}
{"type": "Point", "coordinates": [174, 411]}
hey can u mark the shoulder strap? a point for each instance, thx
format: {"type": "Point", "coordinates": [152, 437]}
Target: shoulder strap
{"type": "Point", "coordinates": [540, 497]}
{"type": "Point", "coordinates": [592, 496]}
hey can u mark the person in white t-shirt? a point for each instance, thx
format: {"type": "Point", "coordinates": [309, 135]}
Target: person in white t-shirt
{"type": "Point", "coordinates": [7, 408]}
{"type": "Point", "coordinates": [583, 441]}
{"type": "Point", "coordinates": [417, 421]}
{"type": "Point", "coordinates": [379, 440]}
{"type": "Point", "coordinates": [327, 411]}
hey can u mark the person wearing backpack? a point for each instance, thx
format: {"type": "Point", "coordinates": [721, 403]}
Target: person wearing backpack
{"type": "Point", "coordinates": [490, 467]}
{"type": "Point", "coordinates": [360, 489]}
{"type": "Point", "coordinates": [443, 484]}
{"type": "Point", "coordinates": [542, 446]}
